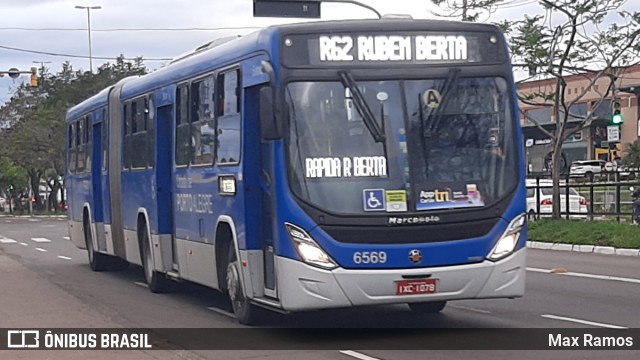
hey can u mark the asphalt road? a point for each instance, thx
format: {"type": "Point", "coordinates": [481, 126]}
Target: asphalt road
{"type": "Point", "coordinates": [591, 291]}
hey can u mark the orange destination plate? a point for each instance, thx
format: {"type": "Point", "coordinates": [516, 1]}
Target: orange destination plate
{"type": "Point", "coordinates": [414, 287]}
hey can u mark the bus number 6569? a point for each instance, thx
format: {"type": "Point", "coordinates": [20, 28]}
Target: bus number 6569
{"type": "Point", "coordinates": [369, 257]}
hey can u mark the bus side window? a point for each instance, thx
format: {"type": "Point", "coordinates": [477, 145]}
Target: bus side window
{"type": "Point", "coordinates": [138, 134]}
{"type": "Point", "coordinates": [88, 124]}
{"type": "Point", "coordinates": [228, 127]}
{"type": "Point", "coordinates": [202, 121]}
{"type": "Point", "coordinates": [150, 119]}
{"type": "Point", "coordinates": [183, 131]}
{"type": "Point", "coordinates": [80, 146]}
{"type": "Point", "coordinates": [72, 147]}
{"type": "Point", "coordinates": [127, 136]}
{"type": "Point", "coordinates": [105, 140]}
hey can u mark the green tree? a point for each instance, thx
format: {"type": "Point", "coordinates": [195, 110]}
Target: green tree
{"type": "Point", "coordinates": [572, 39]}
{"type": "Point", "coordinates": [466, 10]}
{"type": "Point", "coordinates": [631, 158]}
{"type": "Point", "coordinates": [36, 137]}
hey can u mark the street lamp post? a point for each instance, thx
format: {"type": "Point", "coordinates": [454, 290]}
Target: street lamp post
{"type": "Point", "coordinates": [89, 8]}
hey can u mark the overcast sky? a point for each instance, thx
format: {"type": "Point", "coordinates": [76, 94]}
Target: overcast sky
{"type": "Point", "coordinates": [29, 25]}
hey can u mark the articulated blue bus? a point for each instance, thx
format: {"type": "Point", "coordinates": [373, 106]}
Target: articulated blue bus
{"type": "Point", "coordinates": [310, 166]}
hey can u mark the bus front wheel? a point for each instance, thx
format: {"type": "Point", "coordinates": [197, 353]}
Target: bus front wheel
{"type": "Point", "coordinates": [244, 311]}
{"type": "Point", "coordinates": [428, 307]}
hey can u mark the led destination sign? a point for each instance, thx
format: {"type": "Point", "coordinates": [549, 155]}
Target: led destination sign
{"type": "Point", "coordinates": [397, 48]}
{"type": "Point", "coordinates": [393, 48]}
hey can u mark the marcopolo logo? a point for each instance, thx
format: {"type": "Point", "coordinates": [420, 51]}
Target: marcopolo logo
{"type": "Point", "coordinates": [408, 220]}
{"type": "Point", "coordinates": [23, 339]}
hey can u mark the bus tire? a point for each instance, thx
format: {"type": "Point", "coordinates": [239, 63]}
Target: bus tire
{"type": "Point", "coordinates": [157, 282]}
{"type": "Point", "coordinates": [245, 312]}
{"type": "Point", "coordinates": [431, 307]}
{"type": "Point", "coordinates": [97, 261]}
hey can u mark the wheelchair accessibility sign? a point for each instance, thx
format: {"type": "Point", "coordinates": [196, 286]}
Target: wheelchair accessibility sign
{"type": "Point", "coordinates": [374, 200]}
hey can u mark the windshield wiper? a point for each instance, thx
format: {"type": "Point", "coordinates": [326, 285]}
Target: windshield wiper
{"type": "Point", "coordinates": [377, 132]}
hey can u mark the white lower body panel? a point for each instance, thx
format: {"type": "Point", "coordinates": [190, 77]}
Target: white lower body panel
{"type": "Point", "coordinates": [76, 233]}
{"type": "Point", "coordinates": [197, 262]}
{"type": "Point", "coordinates": [303, 287]}
{"type": "Point", "coordinates": [132, 248]}
{"type": "Point", "coordinates": [109, 239]}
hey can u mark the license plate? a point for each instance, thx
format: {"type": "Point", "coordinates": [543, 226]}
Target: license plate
{"type": "Point", "coordinates": [413, 287]}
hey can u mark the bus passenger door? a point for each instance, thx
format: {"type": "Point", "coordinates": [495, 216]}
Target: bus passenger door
{"type": "Point", "coordinates": [267, 216]}
{"type": "Point", "coordinates": [164, 182]}
{"type": "Point", "coordinates": [96, 181]}
{"type": "Point", "coordinates": [267, 198]}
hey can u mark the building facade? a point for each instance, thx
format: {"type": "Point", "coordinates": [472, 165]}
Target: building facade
{"type": "Point", "coordinates": [587, 143]}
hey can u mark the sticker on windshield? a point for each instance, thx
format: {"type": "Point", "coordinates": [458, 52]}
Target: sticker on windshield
{"type": "Point", "coordinates": [345, 167]}
{"type": "Point", "coordinates": [449, 196]}
{"type": "Point", "coordinates": [432, 98]}
{"type": "Point", "coordinates": [396, 200]}
{"type": "Point", "coordinates": [373, 199]}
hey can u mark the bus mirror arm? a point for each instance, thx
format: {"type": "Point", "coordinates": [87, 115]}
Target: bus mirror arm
{"type": "Point", "coordinates": [269, 109]}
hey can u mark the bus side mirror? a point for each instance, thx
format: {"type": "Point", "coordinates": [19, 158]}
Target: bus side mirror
{"type": "Point", "coordinates": [269, 126]}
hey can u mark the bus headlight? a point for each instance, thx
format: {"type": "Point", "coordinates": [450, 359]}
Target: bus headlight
{"type": "Point", "coordinates": [509, 239]}
{"type": "Point", "coordinates": [310, 252]}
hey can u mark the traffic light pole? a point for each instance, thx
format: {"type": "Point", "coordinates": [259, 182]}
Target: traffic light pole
{"type": "Point", "coordinates": [15, 73]}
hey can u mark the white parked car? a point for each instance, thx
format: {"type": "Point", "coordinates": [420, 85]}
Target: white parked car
{"type": "Point", "coordinates": [586, 168]}
{"type": "Point", "coordinates": [578, 205]}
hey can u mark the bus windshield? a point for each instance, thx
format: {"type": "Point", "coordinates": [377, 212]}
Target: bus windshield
{"type": "Point", "coordinates": [448, 143]}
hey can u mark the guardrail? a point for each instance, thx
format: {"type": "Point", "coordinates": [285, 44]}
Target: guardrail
{"type": "Point", "coordinates": [609, 195]}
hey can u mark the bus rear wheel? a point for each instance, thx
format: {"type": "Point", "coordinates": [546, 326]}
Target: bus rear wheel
{"type": "Point", "coordinates": [245, 312]}
{"type": "Point", "coordinates": [428, 307]}
{"type": "Point", "coordinates": [157, 282]}
{"type": "Point", "coordinates": [97, 261]}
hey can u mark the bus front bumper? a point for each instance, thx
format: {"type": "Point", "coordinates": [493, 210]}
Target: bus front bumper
{"type": "Point", "coordinates": [303, 287]}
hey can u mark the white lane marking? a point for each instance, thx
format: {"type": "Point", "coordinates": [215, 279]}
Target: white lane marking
{"type": "Point", "coordinates": [64, 257]}
{"type": "Point", "coordinates": [586, 322]}
{"type": "Point", "coordinates": [7, 241]}
{"type": "Point", "coordinates": [470, 309]}
{"type": "Point", "coordinates": [357, 355]}
{"type": "Point", "coordinates": [24, 244]}
{"type": "Point", "coordinates": [590, 276]}
{"type": "Point", "coordinates": [141, 284]}
{"type": "Point", "coordinates": [34, 220]}
{"type": "Point", "coordinates": [222, 312]}
{"type": "Point", "coordinates": [66, 238]}
{"type": "Point", "coordinates": [41, 249]}
{"type": "Point", "coordinates": [8, 221]}
{"type": "Point", "coordinates": [40, 240]}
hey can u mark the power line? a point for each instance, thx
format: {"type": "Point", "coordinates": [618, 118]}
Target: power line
{"type": "Point", "coordinates": [131, 29]}
{"type": "Point", "coordinates": [76, 56]}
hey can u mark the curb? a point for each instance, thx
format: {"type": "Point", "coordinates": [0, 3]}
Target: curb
{"type": "Point", "coordinates": [32, 216]}
{"type": "Point", "coordinates": [606, 250]}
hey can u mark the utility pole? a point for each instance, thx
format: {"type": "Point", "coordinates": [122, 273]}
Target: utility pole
{"type": "Point", "coordinates": [89, 8]}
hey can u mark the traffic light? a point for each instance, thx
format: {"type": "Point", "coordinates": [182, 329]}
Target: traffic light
{"type": "Point", "coordinates": [616, 114]}
{"type": "Point", "coordinates": [34, 77]}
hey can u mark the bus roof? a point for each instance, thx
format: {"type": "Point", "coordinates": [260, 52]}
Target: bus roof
{"type": "Point", "coordinates": [96, 101]}
{"type": "Point", "coordinates": [381, 25]}
{"type": "Point", "coordinates": [265, 40]}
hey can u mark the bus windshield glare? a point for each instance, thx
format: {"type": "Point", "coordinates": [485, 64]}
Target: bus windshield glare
{"type": "Point", "coordinates": [448, 143]}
